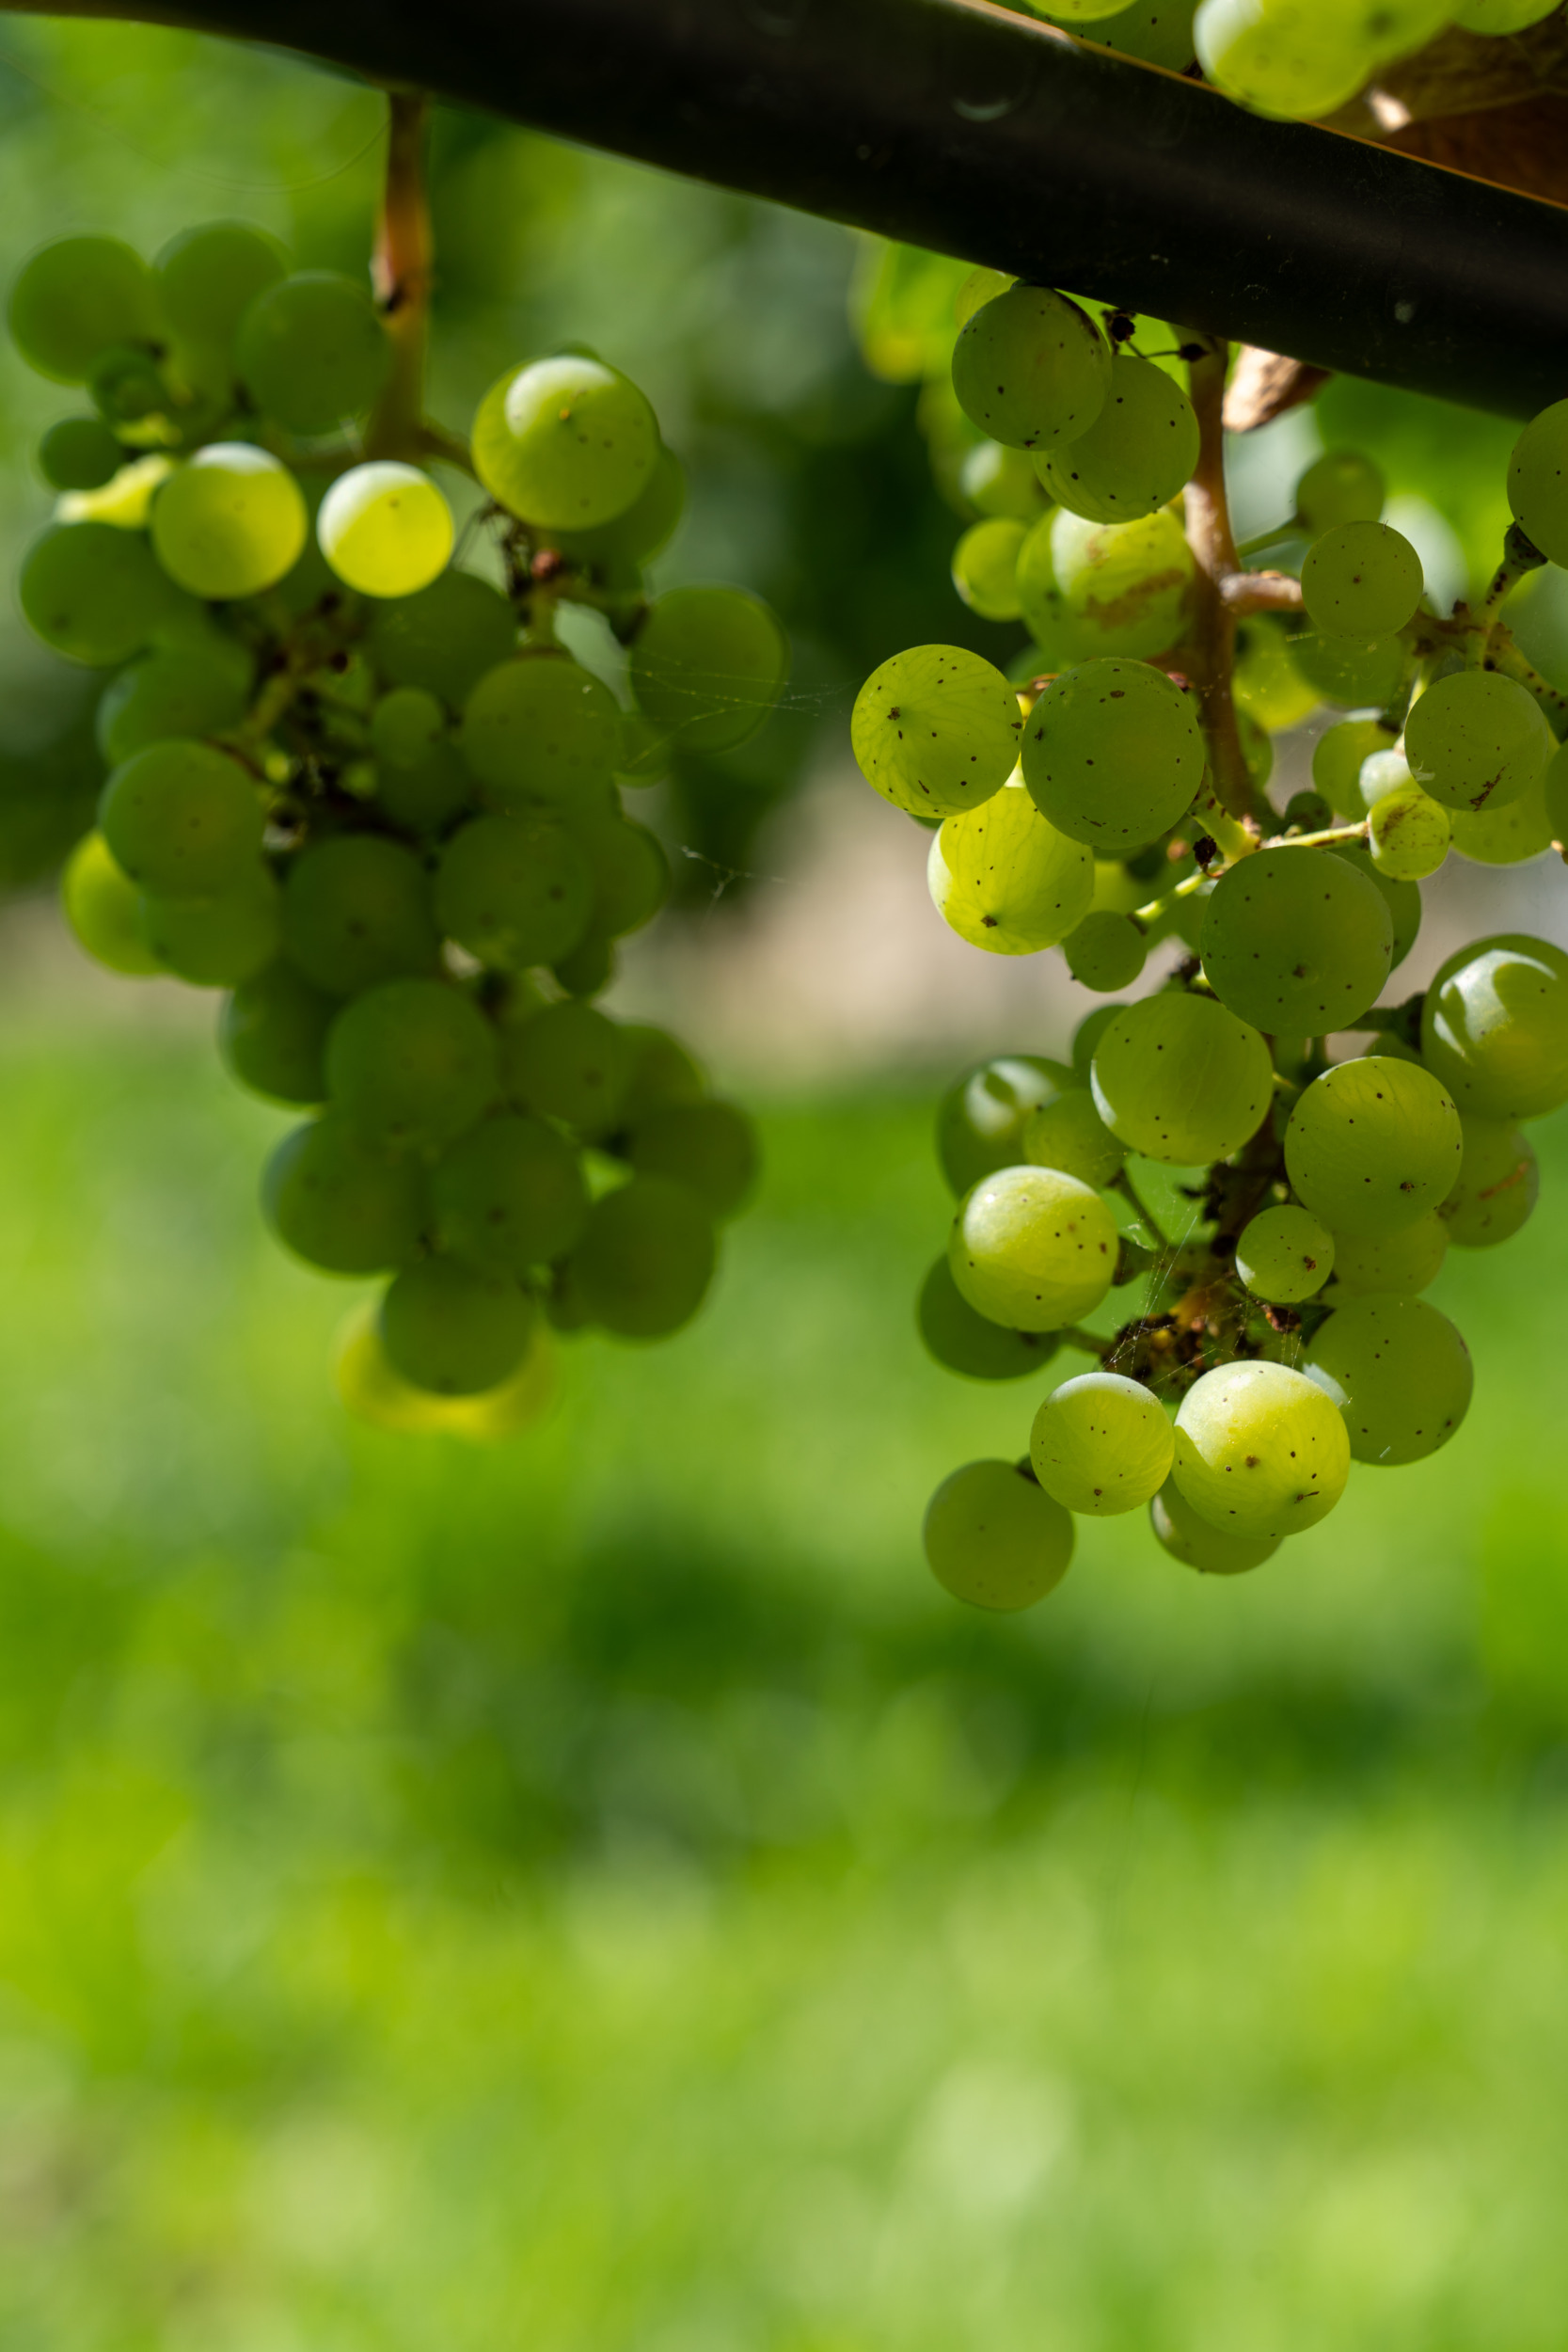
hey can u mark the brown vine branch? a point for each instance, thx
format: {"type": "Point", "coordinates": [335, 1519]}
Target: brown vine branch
{"type": "Point", "coordinates": [402, 273]}
{"type": "Point", "coordinates": [1207, 657]}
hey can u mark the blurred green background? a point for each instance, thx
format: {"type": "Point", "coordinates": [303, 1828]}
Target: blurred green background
{"type": "Point", "coordinates": [597, 1894]}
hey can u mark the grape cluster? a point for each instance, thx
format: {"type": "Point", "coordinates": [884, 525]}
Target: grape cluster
{"type": "Point", "coordinates": [1273, 1210]}
{"type": "Point", "coordinates": [370, 794]}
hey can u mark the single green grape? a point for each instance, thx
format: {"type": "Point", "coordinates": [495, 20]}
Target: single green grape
{"type": "Point", "coordinates": [1495, 1026]}
{"type": "Point", "coordinates": [567, 1062]}
{"type": "Point", "coordinates": [1285, 1255]}
{"type": "Point", "coordinates": [312, 351]}
{"type": "Point", "coordinates": [386, 529]}
{"type": "Point", "coordinates": [1296, 941]}
{"type": "Point", "coordinates": [79, 453]}
{"type": "Point", "coordinates": [1112, 753]}
{"type": "Point", "coordinates": [1031, 369]}
{"type": "Point", "coordinates": [74, 298]}
{"type": "Point", "coordinates": [412, 1064]}
{"type": "Point", "coordinates": [1033, 1248]}
{"type": "Point", "coordinates": [645, 1259]}
{"type": "Point", "coordinates": [1372, 1145]}
{"type": "Point", "coordinates": [1361, 580]}
{"type": "Point", "coordinates": [1382, 773]}
{"type": "Point", "coordinates": [1476, 741]}
{"type": "Point", "coordinates": [93, 592]}
{"type": "Point", "coordinates": [1005, 879]}
{"type": "Point", "coordinates": [444, 638]}
{"type": "Point", "coordinates": [566, 443]}
{"type": "Point", "coordinates": [994, 1538]}
{"type": "Point", "coordinates": [1137, 454]}
{"type": "Point", "coordinates": [1306, 811]}
{"type": "Point", "coordinates": [406, 727]}
{"type": "Point", "coordinates": [1538, 482]}
{"type": "Point", "coordinates": [1507, 837]}
{"type": "Point", "coordinates": [272, 1034]}
{"type": "Point", "coordinates": [208, 277]}
{"type": "Point", "coordinates": [1261, 1451]}
{"type": "Point", "coordinates": [630, 875]}
{"type": "Point", "coordinates": [1300, 59]}
{"type": "Point", "coordinates": [341, 1205]}
{"type": "Point", "coordinates": [1499, 1182]}
{"type": "Point", "coordinates": [1266, 683]}
{"type": "Point", "coordinates": [1408, 834]}
{"type": "Point", "coordinates": [1158, 31]}
{"type": "Point", "coordinates": [1338, 757]}
{"type": "Point", "coordinates": [936, 730]}
{"type": "Point", "coordinates": [963, 1340]}
{"type": "Point", "coordinates": [166, 694]}
{"type": "Point", "coordinates": [540, 728]}
{"type": "Point", "coordinates": [659, 1072]}
{"type": "Point", "coordinates": [230, 522]}
{"type": "Point", "coordinates": [984, 568]}
{"type": "Point", "coordinates": [1181, 1079]}
{"type": "Point", "coordinates": [707, 666]}
{"type": "Point", "coordinates": [1106, 951]}
{"type": "Point", "coordinates": [222, 939]}
{"type": "Point", "coordinates": [587, 969]}
{"type": "Point", "coordinates": [1069, 1135]}
{"type": "Point", "coordinates": [1101, 1445]}
{"type": "Point", "coordinates": [982, 1119]}
{"type": "Point", "coordinates": [1340, 487]}
{"type": "Point", "coordinates": [356, 911]}
{"type": "Point", "coordinates": [1191, 1540]}
{"type": "Point", "coordinates": [454, 1329]}
{"type": "Point", "coordinates": [1398, 1263]}
{"type": "Point", "coordinates": [1400, 1372]}
{"type": "Point", "coordinates": [103, 907]}
{"type": "Point", "coordinates": [710, 1146]}
{"type": "Point", "coordinates": [182, 818]}
{"type": "Point", "coordinates": [515, 891]}
{"type": "Point", "coordinates": [1089, 588]}
{"type": "Point", "coordinates": [510, 1192]}
{"type": "Point", "coordinates": [428, 798]}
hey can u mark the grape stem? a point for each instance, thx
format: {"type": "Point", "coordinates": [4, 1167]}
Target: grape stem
{"type": "Point", "coordinates": [1520, 557]}
{"type": "Point", "coordinates": [1328, 838]}
{"type": "Point", "coordinates": [1505, 656]}
{"type": "Point", "coordinates": [1072, 1336]}
{"type": "Point", "coordinates": [1207, 657]}
{"type": "Point", "coordinates": [402, 273]}
{"type": "Point", "coordinates": [1260, 592]}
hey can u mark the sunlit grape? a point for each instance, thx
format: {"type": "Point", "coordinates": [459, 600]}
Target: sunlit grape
{"type": "Point", "coordinates": [995, 1540]}
{"type": "Point", "coordinates": [102, 906]}
{"type": "Point", "coordinates": [1033, 1248]}
{"type": "Point", "coordinates": [1137, 454]}
{"type": "Point", "coordinates": [1069, 1135]}
{"type": "Point", "coordinates": [936, 730]}
{"type": "Point", "coordinates": [1285, 1255]}
{"type": "Point", "coordinates": [566, 443]}
{"type": "Point", "coordinates": [1499, 1182]}
{"type": "Point", "coordinates": [1031, 369]}
{"type": "Point", "coordinates": [1102, 1444]}
{"type": "Point", "coordinates": [384, 529]}
{"type": "Point", "coordinates": [1400, 1374]}
{"type": "Point", "coordinates": [1181, 1079]}
{"type": "Point", "coordinates": [230, 522]}
{"type": "Point", "coordinates": [1261, 1451]}
{"type": "Point", "coordinates": [1112, 753]}
{"type": "Point", "coordinates": [1495, 1026]}
{"type": "Point", "coordinates": [1296, 941]}
{"type": "Point", "coordinates": [1398, 1263]}
{"type": "Point", "coordinates": [1372, 1145]}
{"type": "Point", "coordinates": [1361, 580]}
{"type": "Point", "coordinates": [1005, 880]}
{"type": "Point", "coordinates": [984, 568]}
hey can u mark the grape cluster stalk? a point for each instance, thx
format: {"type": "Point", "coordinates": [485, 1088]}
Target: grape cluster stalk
{"type": "Point", "coordinates": [357, 781]}
{"type": "Point", "coordinates": [1271, 1154]}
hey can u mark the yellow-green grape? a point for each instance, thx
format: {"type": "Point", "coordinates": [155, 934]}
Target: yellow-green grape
{"type": "Point", "coordinates": [272, 1034]}
{"type": "Point", "coordinates": [1158, 31]}
{"type": "Point", "coordinates": [356, 911]}
{"type": "Point", "coordinates": [1266, 683]}
{"type": "Point", "coordinates": [936, 730]}
{"type": "Point", "coordinates": [1476, 741]}
{"type": "Point", "coordinates": [1069, 1135]}
{"type": "Point", "coordinates": [540, 728]}
{"type": "Point", "coordinates": [1005, 880]}
{"type": "Point", "coordinates": [1495, 1026]}
{"type": "Point", "coordinates": [1084, 12]}
{"type": "Point", "coordinates": [1509, 835]}
{"type": "Point", "coordinates": [1296, 943]}
{"type": "Point", "coordinates": [1372, 1145]}
{"type": "Point", "coordinates": [76, 297]}
{"type": "Point", "coordinates": [984, 568]}
{"type": "Point", "coordinates": [93, 592]}
{"type": "Point", "coordinates": [710, 1146]}
{"type": "Point", "coordinates": [208, 277]}
{"type": "Point", "coordinates": [995, 1540]}
{"type": "Point", "coordinates": [455, 1328]}
{"type": "Point", "coordinates": [1111, 588]}
{"type": "Point", "coordinates": [1340, 487]}
{"type": "Point", "coordinates": [1106, 951]}
{"type": "Point", "coordinates": [1294, 59]}
{"type": "Point", "coordinates": [1408, 834]}
{"type": "Point", "coordinates": [181, 819]}
{"type": "Point", "coordinates": [230, 522]}
{"type": "Point", "coordinates": [102, 906]}
{"type": "Point", "coordinates": [515, 891]}
{"type": "Point", "coordinates": [1137, 454]}
{"type": "Point", "coordinates": [1033, 1248]}
{"type": "Point", "coordinates": [444, 639]}
{"type": "Point", "coordinates": [1399, 1265]}
{"type": "Point", "coordinates": [373, 1392]}
{"type": "Point", "coordinates": [1401, 1375]}
{"type": "Point", "coordinates": [1499, 1182]}
{"type": "Point", "coordinates": [1382, 773]}
{"type": "Point", "coordinates": [566, 443]}
{"type": "Point", "coordinates": [964, 1342]}
{"type": "Point", "coordinates": [640, 531]}
{"type": "Point", "coordinates": [1538, 482]}
{"type": "Point", "coordinates": [510, 1192]}
{"type": "Point", "coordinates": [707, 665]}
{"type": "Point", "coordinates": [1261, 1451]}
{"type": "Point", "coordinates": [1191, 1540]}
{"type": "Point", "coordinates": [312, 351]}
{"type": "Point", "coordinates": [1361, 580]}
{"type": "Point", "coordinates": [982, 1117]}
{"type": "Point", "coordinates": [645, 1259]}
{"type": "Point", "coordinates": [220, 940]}
{"type": "Point", "coordinates": [1112, 753]}
{"type": "Point", "coordinates": [1285, 1255]}
{"type": "Point", "coordinates": [1101, 1445]}
{"type": "Point", "coordinates": [339, 1204]}
{"type": "Point", "coordinates": [1003, 482]}
{"type": "Point", "coordinates": [1031, 369]}
{"type": "Point", "coordinates": [1354, 672]}
{"type": "Point", "coordinates": [412, 1064]}
{"type": "Point", "coordinates": [1338, 757]}
{"type": "Point", "coordinates": [1181, 1079]}
{"type": "Point", "coordinates": [384, 529]}
{"type": "Point", "coordinates": [567, 1062]}
{"type": "Point", "coordinates": [81, 453]}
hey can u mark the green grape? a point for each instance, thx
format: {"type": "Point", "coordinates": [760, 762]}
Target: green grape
{"type": "Point", "coordinates": [1372, 1145]}
{"type": "Point", "coordinates": [707, 665]}
{"type": "Point", "coordinates": [272, 1034]}
{"type": "Point", "coordinates": [312, 352]}
{"type": "Point", "coordinates": [74, 298]}
{"type": "Point", "coordinates": [1082, 13]}
{"type": "Point", "coordinates": [166, 694]}
{"type": "Point", "coordinates": [1112, 753]}
{"type": "Point", "coordinates": [1508, 835]}
{"type": "Point", "coordinates": [1498, 1186]}
{"type": "Point", "coordinates": [182, 818]}
{"type": "Point", "coordinates": [1100, 1444]}
{"type": "Point", "coordinates": [567, 1062]}
{"type": "Point", "coordinates": [1106, 951]}
{"type": "Point", "coordinates": [219, 940]}
{"type": "Point", "coordinates": [1295, 58]}
{"type": "Point", "coordinates": [1399, 1265]}
{"type": "Point", "coordinates": [1382, 772]}
{"type": "Point", "coordinates": [444, 639]}
{"type": "Point", "coordinates": [1340, 487]}
{"type": "Point", "coordinates": [963, 1342]}
{"type": "Point", "coordinates": [406, 727]}
{"type": "Point", "coordinates": [412, 1064]}
{"type": "Point", "coordinates": [79, 453]}
{"type": "Point", "coordinates": [1086, 1037]}
{"type": "Point", "coordinates": [1266, 683]}
{"type": "Point", "coordinates": [1285, 1255]}
{"type": "Point", "coordinates": [565, 443]}
{"type": "Point", "coordinates": [984, 568]}
{"type": "Point", "coordinates": [1476, 741]}
{"type": "Point", "coordinates": [386, 529]}
{"type": "Point", "coordinates": [659, 1072]}
{"type": "Point", "coordinates": [1003, 482]}
{"type": "Point", "coordinates": [453, 1329]}
{"type": "Point", "coordinates": [1115, 588]}
{"type": "Point", "coordinates": [230, 522]}
{"type": "Point", "coordinates": [994, 1538]}
{"type": "Point", "coordinates": [646, 1258]}
{"type": "Point", "coordinates": [1296, 943]}
{"type": "Point", "coordinates": [356, 911]}
{"type": "Point", "coordinates": [637, 532]}
{"type": "Point", "coordinates": [1538, 482]}
{"type": "Point", "coordinates": [1361, 580]}
{"type": "Point", "coordinates": [1196, 1545]}
{"type": "Point", "coordinates": [1338, 758]}
{"type": "Point", "coordinates": [338, 1204]}
{"type": "Point", "coordinates": [587, 969]}
{"type": "Point", "coordinates": [1408, 834]}
{"type": "Point", "coordinates": [710, 1146]}
{"type": "Point", "coordinates": [510, 1192]}
{"type": "Point", "coordinates": [207, 277]}
{"type": "Point", "coordinates": [630, 872]}
{"type": "Point", "coordinates": [1135, 455]}
{"type": "Point", "coordinates": [125, 386]}
{"type": "Point", "coordinates": [1356, 673]}
{"type": "Point", "coordinates": [1399, 1372]}
{"type": "Point", "coordinates": [515, 891]}
{"type": "Point", "coordinates": [1306, 811]}
{"type": "Point", "coordinates": [1495, 1026]}
{"type": "Point", "coordinates": [936, 730]}
{"type": "Point", "coordinates": [1262, 1453]}
{"type": "Point", "coordinates": [1005, 880]}
{"type": "Point", "coordinates": [539, 727]}
{"type": "Point", "coordinates": [1181, 1079]}
{"type": "Point", "coordinates": [93, 592]}
{"type": "Point", "coordinates": [1069, 1135]}
{"type": "Point", "coordinates": [1501, 16]}
{"type": "Point", "coordinates": [1158, 31]}
{"type": "Point", "coordinates": [102, 906]}
{"type": "Point", "coordinates": [1031, 369]}
{"type": "Point", "coordinates": [982, 1117]}
{"type": "Point", "coordinates": [1033, 1248]}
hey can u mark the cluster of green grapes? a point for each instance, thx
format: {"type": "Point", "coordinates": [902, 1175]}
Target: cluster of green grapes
{"type": "Point", "coordinates": [1284, 1320]}
{"type": "Point", "coordinates": [373, 797]}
